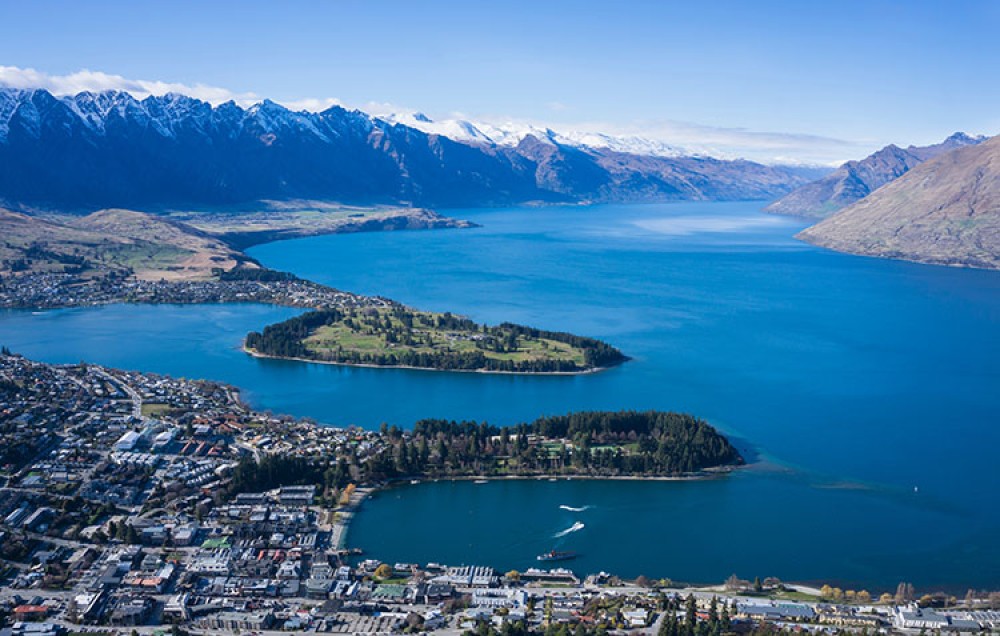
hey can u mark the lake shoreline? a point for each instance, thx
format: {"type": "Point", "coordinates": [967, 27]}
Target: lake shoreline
{"type": "Point", "coordinates": [364, 365]}
{"type": "Point", "coordinates": [709, 473]}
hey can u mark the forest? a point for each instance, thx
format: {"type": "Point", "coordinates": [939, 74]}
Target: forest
{"type": "Point", "coordinates": [398, 336]}
{"type": "Point", "coordinates": [592, 443]}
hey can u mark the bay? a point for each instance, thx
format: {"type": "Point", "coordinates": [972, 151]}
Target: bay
{"type": "Point", "coordinates": [868, 391]}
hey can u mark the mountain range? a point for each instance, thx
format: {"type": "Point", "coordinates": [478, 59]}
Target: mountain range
{"type": "Point", "coordinates": [945, 211]}
{"type": "Point", "coordinates": [96, 150]}
{"type": "Point", "coordinates": [511, 133]}
{"type": "Point", "coordinates": [855, 180]}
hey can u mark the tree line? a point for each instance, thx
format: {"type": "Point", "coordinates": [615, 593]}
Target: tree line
{"type": "Point", "coordinates": [597, 443]}
{"type": "Point", "coordinates": [258, 274]}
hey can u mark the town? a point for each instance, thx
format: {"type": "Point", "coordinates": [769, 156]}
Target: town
{"type": "Point", "coordinates": [53, 290]}
{"type": "Point", "coordinates": [133, 501]}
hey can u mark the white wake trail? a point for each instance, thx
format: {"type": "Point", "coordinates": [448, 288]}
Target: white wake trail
{"type": "Point", "coordinates": [572, 509]}
{"type": "Point", "coordinates": [573, 528]}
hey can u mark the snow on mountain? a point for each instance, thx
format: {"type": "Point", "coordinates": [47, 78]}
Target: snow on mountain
{"type": "Point", "coordinates": [511, 133]}
{"type": "Point", "coordinates": [165, 150]}
{"type": "Point", "coordinates": [168, 113]}
{"type": "Point", "coordinates": [9, 99]}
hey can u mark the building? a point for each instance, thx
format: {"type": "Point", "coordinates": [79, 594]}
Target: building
{"type": "Point", "coordinates": [776, 612]}
{"type": "Point", "coordinates": [470, 576]}
{"type": "Point", "coordinates": [497, 598]}
{"type": "Point", "coordinates": [34, 629]}
{"type": "Point", "coordinates": [129, 611]}
{"type": "Point", "coordinates": [636, 619]}
{"type": "Point", "coordinates": [915, 617]}
{"type": "Point", "coordinates": [297, 495]}
{"type": "Point", "coordinates": [127, 442]}
{"type": "Point", "coordinates": [244, 621]}
{"type": "Point", "coordinates": [176, 609]}
{"type": "Point", "coordinates": [30, 612]}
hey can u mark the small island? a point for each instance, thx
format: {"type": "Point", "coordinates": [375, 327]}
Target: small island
{"type": "Point", "coordinates": [396, 336]}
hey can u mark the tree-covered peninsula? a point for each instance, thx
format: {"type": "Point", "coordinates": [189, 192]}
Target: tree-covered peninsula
{"type": "Point", "coordinates": [398, 336]}
{"type": "Point", "coordinates": [585, 444]}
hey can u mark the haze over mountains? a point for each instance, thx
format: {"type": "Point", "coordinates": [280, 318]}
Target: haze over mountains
{"type": "Point", "coordinates": [96, 150]}
{"type": "Point", "coordinates": [855, 180]}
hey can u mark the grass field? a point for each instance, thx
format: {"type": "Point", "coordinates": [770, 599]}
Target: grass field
{"type": "Point", "coordinates": [382, 332]}
{"type": "Point", "coordinates": [151, 409]}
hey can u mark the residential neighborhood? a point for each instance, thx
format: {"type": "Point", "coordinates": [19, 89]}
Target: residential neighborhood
{"type": "Point", "coordinates": [120, 510]}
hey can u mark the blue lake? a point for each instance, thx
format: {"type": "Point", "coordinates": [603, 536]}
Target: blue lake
{"type": "Point", "coordinates": [868, 389]}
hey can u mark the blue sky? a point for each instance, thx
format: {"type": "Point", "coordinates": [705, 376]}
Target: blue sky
{"type": "Point", "coordinates": [838, 77]}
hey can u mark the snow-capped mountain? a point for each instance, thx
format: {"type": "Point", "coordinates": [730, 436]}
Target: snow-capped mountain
{"type": "Point", "coordinates": [511, 133]}
{"type": "Point", "coordinates": [110, 149]}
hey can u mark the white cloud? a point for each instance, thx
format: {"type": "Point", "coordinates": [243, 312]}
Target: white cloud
{"type": "Point", "coordinates": [383, 109]}
{"type": "Point", "coordinates": [763, 146]}
{"type": "Point", "coordinates": [768, 146]}
{"type": "Point", "coordinates": [312, 104]}
{"type": "Point", "coordinates": [96, 81]}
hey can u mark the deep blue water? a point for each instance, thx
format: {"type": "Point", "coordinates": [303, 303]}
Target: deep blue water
{"type": "Point", "coordinates": [870, 389]}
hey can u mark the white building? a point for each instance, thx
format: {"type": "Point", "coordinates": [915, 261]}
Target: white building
{"type": "Point", "coordinates": [127, 441]}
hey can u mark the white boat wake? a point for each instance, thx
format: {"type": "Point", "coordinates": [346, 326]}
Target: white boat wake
{"type": "Point", "coordinates": [573, 528]}
{"type": "Point", "coordinates": [572, 509]}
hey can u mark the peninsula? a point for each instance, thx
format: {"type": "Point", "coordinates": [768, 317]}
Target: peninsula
{"type": "Point", "coordinates": [115, 256]}
{"type": "Point", "coordinates": [181, 246]}
{"type": "Point", "coordinates": [398, 336]}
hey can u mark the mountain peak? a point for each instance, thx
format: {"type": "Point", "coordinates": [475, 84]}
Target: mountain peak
{"type": "Point", "coordinates": [268, 106]}
{"type": "Point", "coordinates": [857, 179]}
{"type": "Point", "coordinates": [176, 150]}
{"type": "Point", "coordinates": [943, 211]}
{"type": "Point", "coordinates": [963, 138]}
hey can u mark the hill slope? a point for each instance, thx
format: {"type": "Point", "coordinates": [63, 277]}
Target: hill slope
{"type": "Point", "coordinates": [174, 151]}
{"type": "Point", "coordinates": [944, 211]}
{"type": "Point", "coordinates": [855, 180]}
{"type": "Point", "coordinates": [149, 246]}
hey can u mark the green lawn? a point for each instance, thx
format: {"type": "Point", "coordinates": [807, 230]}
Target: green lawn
{"type": "Point", "coordinates": [143, 255]}
{"type": "Point", "coordinates": [367, 333]}
{"type": "Point", "coordinates": [151, 409]}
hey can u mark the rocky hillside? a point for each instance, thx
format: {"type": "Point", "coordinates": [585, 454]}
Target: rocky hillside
{"type": "Point", "coordinates": [855, 180]}
{"type": "Point", "coordinates": [944, 211]}
{"type": "Point", "coordinates": [92, 151]}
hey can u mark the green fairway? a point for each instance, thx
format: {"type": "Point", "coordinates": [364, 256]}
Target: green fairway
{"type": "Point", "coordinates": [385, 332]}
{"type": "Point", "coordinates": [398, 336]}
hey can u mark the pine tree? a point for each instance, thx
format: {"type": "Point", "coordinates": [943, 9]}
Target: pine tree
{"type": "Point", "coordinates": [690, 614]}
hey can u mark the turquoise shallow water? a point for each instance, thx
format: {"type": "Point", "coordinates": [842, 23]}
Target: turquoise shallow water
{"type": "Point", "coordinates": [869, 389]}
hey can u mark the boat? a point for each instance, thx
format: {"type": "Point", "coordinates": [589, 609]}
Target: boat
{"type": "Point", "coordinates": [481, 481]}
{"type": "Point", "coordinates": [555, 555]}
